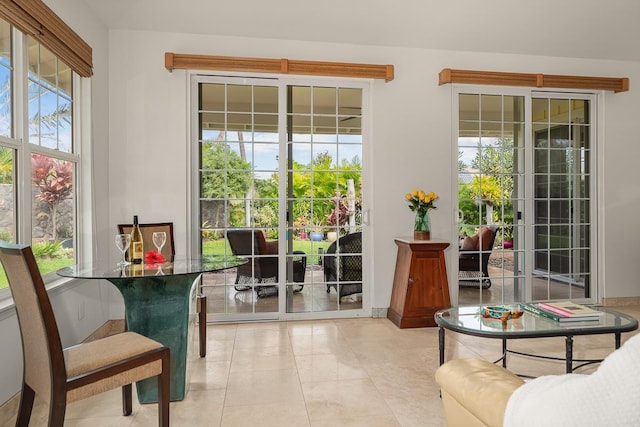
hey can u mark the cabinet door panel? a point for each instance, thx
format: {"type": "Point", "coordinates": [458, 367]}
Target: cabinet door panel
{"type": "Point", "coordinates": [420, 283]}
{"type": "Point", "coordinates": [428, 276]}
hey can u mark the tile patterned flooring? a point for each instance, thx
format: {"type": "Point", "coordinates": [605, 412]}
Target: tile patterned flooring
{"type": "Point", "coordinates": [346, 372]}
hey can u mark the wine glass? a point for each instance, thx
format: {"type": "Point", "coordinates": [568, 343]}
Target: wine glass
{"type": "Point", "coordinates": [159, 239]}
{"type": "Point", "coordinates": [122, 242]}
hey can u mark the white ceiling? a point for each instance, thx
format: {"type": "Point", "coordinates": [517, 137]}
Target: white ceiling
{"type": "Point", "coordinates": [570, 28]}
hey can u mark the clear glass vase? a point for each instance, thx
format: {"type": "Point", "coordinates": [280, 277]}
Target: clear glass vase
{"type": "Point", "coordinates": [422, 226]}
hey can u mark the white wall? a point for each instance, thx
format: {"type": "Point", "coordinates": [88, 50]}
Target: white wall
{"type": "Point", "coordinates": [411, 137]}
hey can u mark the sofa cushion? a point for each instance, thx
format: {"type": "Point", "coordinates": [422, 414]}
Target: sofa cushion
{"type": "Point", "coordinates": [486, 237]}
{"type": "Point", "coordinates": [470, 243]}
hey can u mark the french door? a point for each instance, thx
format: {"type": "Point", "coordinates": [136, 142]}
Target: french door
{"type": "Point", "coordinates": [526, 168]}
{"type": "Point", "coordinates": [277, 177]}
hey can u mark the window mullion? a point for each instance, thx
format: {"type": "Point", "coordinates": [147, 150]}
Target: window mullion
{"type": "Point", "coordinates": [21, 123]}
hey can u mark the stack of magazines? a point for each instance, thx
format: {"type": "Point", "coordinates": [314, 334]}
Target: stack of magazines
{"type": "Point", "coordinates": [563, 311]}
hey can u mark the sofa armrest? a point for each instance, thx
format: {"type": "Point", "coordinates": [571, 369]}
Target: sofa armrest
{"type": "Point", "coordinates": [471, 254]}
{"type": "Point", "coordinates": [482, 389]}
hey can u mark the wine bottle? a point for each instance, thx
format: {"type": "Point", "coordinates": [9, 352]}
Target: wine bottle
{"type": "Point", "coordinates": [137, 252]}
{"type": "Point", "coordinates": [136, 270]}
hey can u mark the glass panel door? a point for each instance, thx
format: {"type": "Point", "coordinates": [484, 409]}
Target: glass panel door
{"type": "Point", "coordinates": [324, 188]}
{"type": "Point", "coordinates": [525, 170]}
{"type": "Point", "coordinates": [562, 192]}
{"type": "Point", "coordinates": [490, 198]}
{"type": "Point", "coordinates": [238, 148]}
{"type": "Point", "coordinates": [279, 181]}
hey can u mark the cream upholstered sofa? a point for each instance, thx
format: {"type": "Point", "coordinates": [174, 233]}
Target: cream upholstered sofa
{"type": "Point", "coordinates": [475, 392]}
{"type": "Point", "coordinates": [478, 393]}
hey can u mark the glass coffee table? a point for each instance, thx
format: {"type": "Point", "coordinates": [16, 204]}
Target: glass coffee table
{"type": "Point", "coordinates": [468, 321]}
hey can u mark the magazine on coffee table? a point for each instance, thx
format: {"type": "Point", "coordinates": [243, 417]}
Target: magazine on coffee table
{"type": "Point", "coordinates": [565, 312]}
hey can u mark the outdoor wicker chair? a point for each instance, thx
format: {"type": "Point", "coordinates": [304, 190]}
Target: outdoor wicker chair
{"type": "Point", "coordinates": [263, 262]}
{"type": "Point", "coordinates": [473, 260]}
{"type": "Point", "coordinates": [343, 265]}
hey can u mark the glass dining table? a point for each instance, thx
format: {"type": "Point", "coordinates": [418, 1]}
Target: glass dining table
{"type": "Point", "coordinates": [159, 302]}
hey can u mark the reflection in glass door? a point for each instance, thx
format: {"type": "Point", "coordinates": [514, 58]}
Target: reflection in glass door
{"type": "Point", "coordinates": [562, 194]}
{"type": "Point", "coordinates": [537, 183]}
{"type": "Point", "coordinates": [279, 181]}
{"type": "Point", "coordinates": [491, 198]}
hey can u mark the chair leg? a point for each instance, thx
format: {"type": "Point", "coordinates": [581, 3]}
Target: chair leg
{"type": "Point", "coordinates": [26, 406]}
{"type": "Point", "coordinates": [202, 324]}
{"type": "Point", "coordinates": [163, 391]}
{"type": "Point", "coordinates": [240, 288]}
{"type": "Point", "coordinates": [57, 409]}
{"type": "Point", "coordinates": [127, 406]}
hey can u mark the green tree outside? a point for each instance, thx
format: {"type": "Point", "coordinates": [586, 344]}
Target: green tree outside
{"type": "Point", "coordinates": [488, 198]}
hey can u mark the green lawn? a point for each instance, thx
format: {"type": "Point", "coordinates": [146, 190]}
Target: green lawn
{"type": "Point", "coordinates": [217, 247]}
{"type": "Point", "coordinates": [46, 265]}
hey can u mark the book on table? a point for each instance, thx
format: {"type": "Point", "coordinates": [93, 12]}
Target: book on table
{"type": "Point", "coordinates": [562, 312]}
{"type": "Point", "coordinates": [570, 309]}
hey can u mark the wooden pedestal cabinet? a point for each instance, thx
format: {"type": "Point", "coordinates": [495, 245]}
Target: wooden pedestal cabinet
{"type": "Point", "coordinates": [420, 286]}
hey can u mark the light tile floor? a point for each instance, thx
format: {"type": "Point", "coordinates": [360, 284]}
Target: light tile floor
{"type": "Point", "coordinates": [347, 372]}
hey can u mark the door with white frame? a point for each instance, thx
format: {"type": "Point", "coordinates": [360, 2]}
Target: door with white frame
{"type": "Point", "coordinates": [277, 177]}
{"type": "Point", "coordinates": [526, 169]}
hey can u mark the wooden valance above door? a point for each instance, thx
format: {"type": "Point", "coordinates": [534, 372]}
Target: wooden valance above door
{"type": "Point", "coordinates": [615, 84]}
{"type": "Point", "coordinates": [174, 61]}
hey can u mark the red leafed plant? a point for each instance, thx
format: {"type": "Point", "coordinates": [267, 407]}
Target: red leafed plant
{"type": "Point", "coordinates": [54, 179]}
{"type": "Point", "coordinates": [340, 213]}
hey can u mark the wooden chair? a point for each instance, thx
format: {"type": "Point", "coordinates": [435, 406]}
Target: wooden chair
{"type": "Point", "coordinates": [147, 230]}
{"type": "Point", "coordinates": [169, 252]}
{"type": "Point", "coordinates": [60, 376]}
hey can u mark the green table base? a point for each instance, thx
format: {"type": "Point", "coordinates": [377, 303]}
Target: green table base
{"type": "Point", "coordinates": [158, 307]}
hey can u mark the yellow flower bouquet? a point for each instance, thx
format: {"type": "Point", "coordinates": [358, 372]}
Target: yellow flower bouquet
{"type": "Point", "coordinates": [421, 203]}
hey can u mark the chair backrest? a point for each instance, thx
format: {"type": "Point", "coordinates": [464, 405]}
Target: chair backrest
{"type": "Point", "coordinates": [488, 237]}
{"type": "Point", "coordinates": [44, 368]}
{"type": "Point", "coordinates": [147, 230]}
{"type": "Point", "coordinates": [482, 241]}
{"type": "Point", "coordinates": [247, 242]}
{"type": "Point", "coordinates": [350, 266]}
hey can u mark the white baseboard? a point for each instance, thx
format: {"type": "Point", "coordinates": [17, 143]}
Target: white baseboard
{"type": "Point", "coordinates": [379, 312]}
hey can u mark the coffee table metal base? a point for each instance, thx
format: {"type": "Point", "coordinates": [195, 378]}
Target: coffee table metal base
{"type": "Point", "coordinates": [568, 359]}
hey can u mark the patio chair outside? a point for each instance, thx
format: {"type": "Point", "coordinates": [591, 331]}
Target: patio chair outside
{"type": "Point", "coordinates": [473, 259]}
{"type": "Point", "coordinates": [342, 265]}
{"type": "Point", "coordinates": [263, 262]}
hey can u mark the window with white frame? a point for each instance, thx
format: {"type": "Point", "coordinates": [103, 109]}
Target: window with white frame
{"type": "Point", "coordinates": [38, 156]}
